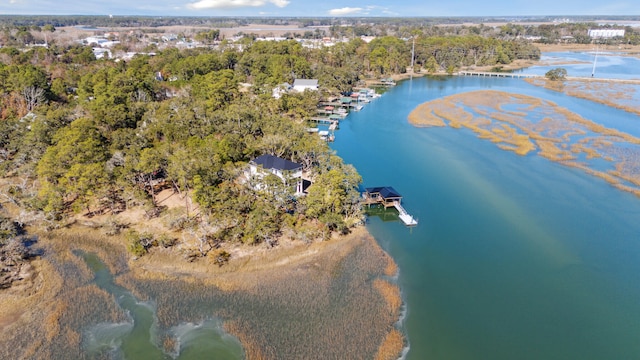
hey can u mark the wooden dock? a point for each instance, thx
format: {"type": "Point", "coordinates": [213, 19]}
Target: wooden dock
{"type": "Point", "coordinates": [323, 120]}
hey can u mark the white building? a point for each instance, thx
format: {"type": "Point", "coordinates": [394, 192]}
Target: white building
{"type": "Point", "coordinates": [97, 40]}
{"type": "Point", "coordinates": [288, 171]}
{"type": "Point", "coordinates": [101, 53]}
{"type": "Point", "coordinates": [605, 33]}
{"type": "Point", "coordinates": [280, 90]}
{"type": "Point", "coordinates": [301, 85]}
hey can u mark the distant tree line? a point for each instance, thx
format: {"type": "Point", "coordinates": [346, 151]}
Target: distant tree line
{"type": "Point", "coordinates": [95, 136]}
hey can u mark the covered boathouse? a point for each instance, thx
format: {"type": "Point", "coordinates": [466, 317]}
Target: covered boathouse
{"type": "Point", "coordinates": [384, 195]}
{"type": "Point", "coordinates": [388, 197]}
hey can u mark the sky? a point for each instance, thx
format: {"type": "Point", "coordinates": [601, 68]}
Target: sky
{"type": "Point", "coordinates": [321, 8]}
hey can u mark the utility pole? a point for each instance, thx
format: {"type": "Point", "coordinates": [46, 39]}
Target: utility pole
{"type": "Point", "coordinates": [413, 52]}
{"type": "Point", "coordinates": [595, 59]}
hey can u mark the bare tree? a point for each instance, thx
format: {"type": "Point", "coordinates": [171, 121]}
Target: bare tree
{"type": "Point", "coordinates": [33, 96]}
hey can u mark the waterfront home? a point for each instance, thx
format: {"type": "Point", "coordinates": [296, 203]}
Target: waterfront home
{"type": "Point", "coordinates": [288, 171]}
{"type": "Point", "coordinates": [301, 85]}
{"type": "Point", "coordinates": [280, 90]}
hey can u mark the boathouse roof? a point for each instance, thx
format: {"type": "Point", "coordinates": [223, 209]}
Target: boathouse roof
{"type": "Point", "coordinates": [274, 162]}
{"type": "Point", "coordinates": [384, 191]}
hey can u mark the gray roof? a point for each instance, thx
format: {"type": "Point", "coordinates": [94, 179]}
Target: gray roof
{"type": "Point", "coordinates": [274, 162]}
{"type": "Point", "coordinates": [384, 191]}
{"type": "Point", "coordinates": [305, 82]}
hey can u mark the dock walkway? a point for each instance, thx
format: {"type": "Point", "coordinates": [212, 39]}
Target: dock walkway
{"type": "Point", "coordinates": [404, 215]}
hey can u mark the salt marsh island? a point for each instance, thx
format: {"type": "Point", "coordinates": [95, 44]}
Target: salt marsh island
{"type": "Point", "coordinates": [529, 125]}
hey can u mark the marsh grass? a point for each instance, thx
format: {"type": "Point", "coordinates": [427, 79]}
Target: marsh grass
{"type": "Point", "coordinates": [320, 301]}
{"type": "Point", "coordinates": [392, 345]}
{"type": "Point", "coordinates": [525, 125]}
{"type": "Point", "coordinates": [620, 95]}
{"type": "Point", "coordinates": [390, 293]}
{"type": "Point", "coordinates": [251, 348]}
{"type": "Point", "coordinates": [294, 309]}
{"type": "Point", "coordinates": [63, 303]}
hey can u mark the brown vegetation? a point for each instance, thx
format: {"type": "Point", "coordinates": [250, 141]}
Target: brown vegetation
{"type": "Point", "coordinates": [524, 124]}
{"type": "Point", "coordinates": [619, 94]}
{"type": "Point", "coordinates": [287, 302]}
{"type": "Point", "coordinates": [391, 347]}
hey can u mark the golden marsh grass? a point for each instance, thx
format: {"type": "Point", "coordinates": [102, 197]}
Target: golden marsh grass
{"type": "Point", "coordinates": [288, 302]}
{"type": "Point", "coordinates": [391, 347]}
{"type": "Point", "coordinates": [528, 125]}
{"type": "Point", "coordinates": [620, 95]}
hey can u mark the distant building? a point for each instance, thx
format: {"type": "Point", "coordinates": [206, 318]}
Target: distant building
{"type": "Point", "coordinates": [97, 40]}
{"type": "Point", "coordinates": [605, 33]}
{"type": "Point", "coordinates": [367, 39]}
{"type": "Point", "coordinates": [288, 171]}
{"type": "Point", "coordinates": [169, 37]}
{"type": "Point", "coordinates": [281, 89]}
{"type": "Point", "coordinates": [101, 53]}
{"type": "Point", "coordinates": [272, 38]}
{"type": "Point", "coordinates": [301, 85]}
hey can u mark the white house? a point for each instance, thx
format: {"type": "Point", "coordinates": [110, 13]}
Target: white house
{"type": "Point", "coordinates": [101, 53]}
{"type": "Point", "coordinates": [286, 170]}
{"type": "Point", "coordinates": [301, 85]}
{"type": "Point", "coordinates": [98, 40]}
{"type": "Point", "coordinates": [605, 33]}
{"type": "Point", "coordinates": [281, 89]}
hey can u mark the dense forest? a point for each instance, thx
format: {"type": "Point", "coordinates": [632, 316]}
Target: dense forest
{"type": "Point", "coordinates": [88, 136]}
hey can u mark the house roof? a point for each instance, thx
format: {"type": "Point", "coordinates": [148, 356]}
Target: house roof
{"type": "Point", "coordinates": [384, 191]}
{"type": "Point", "coordinates": [274, 162]}
{"type": "Point", "coordinates": [305, 82]}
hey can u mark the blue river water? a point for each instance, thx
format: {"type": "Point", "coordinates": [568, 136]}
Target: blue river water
{"type": "Point", "coordinates": [514, 257]}
{"type": "Point", "coordinates": [602, 64]}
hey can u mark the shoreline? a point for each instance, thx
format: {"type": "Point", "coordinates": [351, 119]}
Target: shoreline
{"type": "Point", "coordinates": [304, 261]}
{"type": "Point", "coordinates": [310, 271]}
{"type": "Point", "coordinates": [291, 274]}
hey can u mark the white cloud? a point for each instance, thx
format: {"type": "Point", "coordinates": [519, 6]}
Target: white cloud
{"type": "Point", "coordinates": [344, 11]}
{"type": "Point", "coordinates": [280, 3]}
{"type": "Point", "coordinates": [227, 4]}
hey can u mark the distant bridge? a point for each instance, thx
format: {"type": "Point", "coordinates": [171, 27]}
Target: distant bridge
{"type": "Point", "coordinates": [519, 75]}
{"type": "Point", "coordinates": [498, 74]}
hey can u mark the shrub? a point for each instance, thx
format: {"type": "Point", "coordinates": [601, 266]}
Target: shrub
{"type": "Point", "coordinates": [8, 229]}
{"type": "Point", "coordinates": [166, 241]}
{"type": "Point", "coordinates": [136, 248]}
{"type": "Point", "coordinates": [139, 244]}
{"type": "Point", "coordinates": [219, 257]}
{"type": "Point", "coordinates": [556, 74]}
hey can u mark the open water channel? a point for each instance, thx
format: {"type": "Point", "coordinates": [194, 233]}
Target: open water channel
{"type": "Point", "coordinates": [514, 257]}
